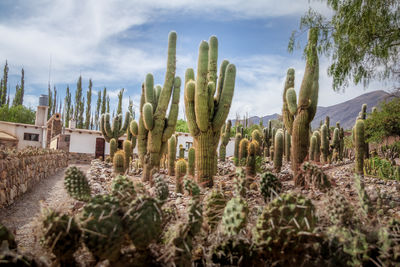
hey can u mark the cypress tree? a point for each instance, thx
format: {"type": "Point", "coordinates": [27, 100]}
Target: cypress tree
{"type": "Point", "coordinates": [103, 104]}
{"type": "Point", "coordinates": [88, 103]}
{"type": "Point", "coordinates": [54, 107]}
{"type": "Point", "coordinates": [4, 85]}
{"type": "Point", "coordinates": [78, 101]}
{"type": "Point", "coordinates": [22, 88]}
{"type": "Point", "coordinates": [50, 102]}
{"type": "Point", "coordinates": [81, 110]}
{"type": "Point", "coordinates": [97, 114]}
{"type": "Point", "coordinates": [17, 96]}
{"type": "Point", "coordinates": [67, 107]}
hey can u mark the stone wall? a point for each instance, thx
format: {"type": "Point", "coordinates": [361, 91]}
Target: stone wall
{"type": "Point", "coordinates": [80, 158]}
{"type": "Point", "coordinates": [21, 170]}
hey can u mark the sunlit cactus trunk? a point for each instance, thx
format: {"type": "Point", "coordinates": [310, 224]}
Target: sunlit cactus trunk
{"type": "Point", "coordinates": [304, 111]}
{"type": "Point", "coordinates": [207, 102]}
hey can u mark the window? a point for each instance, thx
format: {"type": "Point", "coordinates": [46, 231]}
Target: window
{"type": "Point", "coordinates": [189, 145]}
{"type": "Point", "coordinates": [67, 138]}
{"type": "Point", "coordinates": [31, 137]}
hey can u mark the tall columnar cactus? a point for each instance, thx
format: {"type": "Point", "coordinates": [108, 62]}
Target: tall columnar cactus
{"type": "Point", "coordinates": [154, 127]}
{"type": "Point", "coordinates": [127, 146]}
{"type": "Point", "coordinates": [236, 159]}
{"type": "Point", "coordinates": [363, 115]}
{"type": "Point", "coordinates": [341, 143]}
{"type": "Point", "coordinates": [288, 118]}
{"type": "Point", "coordinates": [288, 144]}
{"type": "Point", "coordinates": [313, 148]}
{"type": "Point", "coordinates": [278, 150]}
{"type": "Point", "coordinates": [117, 129]}
{"type": "Point", "coordinates": [132, 133]}
{"type": "Point", "coordinates": [327, 123]}
{"type": "Point", "coordinates": [171, 155]}
{"type": "Point", "coordinates": [181, 152]}
{"type": "Point", "coordinates": [205, 113]}
{"type": "Point", "coordinates": [317, 154]}
{"type": "Point", "coordinates": [324, 143]}
{"type": "Point", "coordinates": [251, 159]}
{"type": "Point", "coordinates": [257, 136]}
{"type": "Point", "coordinates": [113, 147]}
{"type": "Point", "coordinates": [180, 172]}
{"type": "Point", "coordinates": [336, 143]}
{"type": "Point", "coordinates": [359, 145]}
{"type": "Point", "coordinates": [225, 136]}
{"type": "Point", "coordinates": [191, 161]}
{"type": "Point", "coordinates": [119, 162]}
{"type": "Point", "coordinates": [243, 147]}
{"type": "Point", "coordinates": [304, 111]}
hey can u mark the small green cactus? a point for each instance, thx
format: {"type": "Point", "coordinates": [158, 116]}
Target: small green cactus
{"type": "Point", "coordinates": [180, 172]}
{"type": "Point", "coordinates": [122, 188]}
{"type": "Point", "coordinates": [238, 138]}
{"type": "Point", "coordinates": [251, 159]}
{"type": "Point", "coordinates": [113, 147]}
{"type": "Point", "coordinates": [324, 143]}
{"type": "Point", "coordinates": [235, 215]}
{"type": "Point", "coordinates": [171, 155]}
{"type": "Point", "coordinates": [278, 150]}
{"type": "Point", "coordinates": [76, 184]}
{"type": "Point", "coordinates": [119, 162]}
{"type": "Point", "coordinates": [162, 191]}
{"type": "Point", "coordinates": [127, 147]}
{"type": "Point", "coordinates": [243, 150]}
{"type": "Point", "coordinates": [225, 136]}
{"type": "Point", "coordinates": [257, 136]}
{"type": "Point", "coordinates": [270, 186]}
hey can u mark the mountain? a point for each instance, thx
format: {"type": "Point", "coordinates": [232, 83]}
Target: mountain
{"type": "Point", "coordinates": [345, 113]}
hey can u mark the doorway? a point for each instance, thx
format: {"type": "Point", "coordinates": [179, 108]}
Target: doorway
{"type": "Point", "coordinates": [100, 145]}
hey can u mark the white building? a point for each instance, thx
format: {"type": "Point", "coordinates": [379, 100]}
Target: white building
{"type": "Point", "coordinates": [76, 141]}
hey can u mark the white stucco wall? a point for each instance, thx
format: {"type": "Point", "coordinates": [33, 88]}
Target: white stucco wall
{"type": "Point", "coordinates": [18, 130]}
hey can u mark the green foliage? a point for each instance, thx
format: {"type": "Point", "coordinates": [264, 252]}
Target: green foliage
{"type": "Point", "coordinates": [381, 168]}
{"type": "Point", "coordinates": [385, 122]}
{"type": "Point", "coordinates": [181, 126]}
{"type": "Point", "coordinates": [19, 114]}
{"type": "Point", "coordinates": [88, 104]}
{"type": "Point", "coordinates": [361, 37]}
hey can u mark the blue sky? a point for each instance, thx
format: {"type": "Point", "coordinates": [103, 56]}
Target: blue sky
{"type": "Point", "coordinates": [117, 42]}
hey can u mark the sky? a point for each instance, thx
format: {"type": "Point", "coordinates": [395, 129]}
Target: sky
{"type": "Point", "coordinates": [116, 43]}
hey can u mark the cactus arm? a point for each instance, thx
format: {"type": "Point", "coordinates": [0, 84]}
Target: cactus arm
{"type": "Point", "coordinates": [173, 112]}
{"type": "Point", "coordinates": [291, 99]}
{"type": "Point", "coordinates": [226, 98]}
{"type": "Point", "coordinates": [103, 128]}
{"type": "Point", "coordinates": [189, 107]}
{"type": "Point", "coordinates": [126, 123]}
{"type": "Point", "coordinates": [201, 92]}
{"type": "Point", "coordinates": [158, 92]}
{"type": "Point", "coordinates": [149, 90]}
{"type": "Point", "coordinates": [133, 128]}
{"type": "Point", "coordinates": [148, 116]}
{"type": "Point", "coordinates": [107, 125]}
{"type": "Point", "coordinates": [142, 132]}
{"type": "Point", "coordinates": [221, 79]}
{"type": "Point", "coordinates": [286, 114]}
{"type": "Point", "coordinates": [166, 92]}
{"type": "Point", "coordinates": [211, 92]}
{"type": "Point", "coordinates": [212, 60]}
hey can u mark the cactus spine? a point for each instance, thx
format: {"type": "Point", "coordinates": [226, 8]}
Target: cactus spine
{"type": "Point", "coordinates": [191, 161]}
{"type": "Point", "coordinates": [359, 145]}
{"type": "Point", "coordinates": [205, 113]}
{"type": "Point", "coordinates": [225, 136]}
{"type": "Point", "coordinates": [117, 129]}
{"type": "Point", "coordinates": [304, 111]}
{"type": "Point", "coordinates": [171, 155]}
{"type": "Point", "coordinates": [286, 114]}
{"type": "Point", "coordinates": [180, 172]}
{"type": "Point", "coordinates": [278, 150]}
{"type": "Point", "coordinates": [154, 127]}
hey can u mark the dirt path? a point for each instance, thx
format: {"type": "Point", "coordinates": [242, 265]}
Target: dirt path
{"type": "Point", "coordinates": [21, 216]}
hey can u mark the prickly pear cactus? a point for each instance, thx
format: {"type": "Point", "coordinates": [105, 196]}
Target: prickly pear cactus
{"type": "Point", "coordinates": [205, 112]}
{"type": "Point", "coordinates": [76, 184]}
{"type": "Point", "coordinates": [340, 211]}
{"type": "Point", "coordinates": [143, 221]}
{"type": "Point", "coordinates": [191, 187]}
{"type": "Point", "coordinates": [282, 221]}
{"type": "Point", "coordinates": [233, 251]}
{"type": "Point", "coordinates": [102, 227]}
{"type": "Point", "coordinates": [215, 205]}
{"type": "Point", "coordinates": [270, 186]}
{"type": "Point", "coordinates": [195, 215]}
{"type": "Point", "coordinates": [235, 214]}
{"type": "Point", "coordinates": [162, 191]}
{"type": "Point", "coordinates": [311, 176]}
{"type": "Point", "coordinates": [180, 244]}
{"type": "Point", "coordinates": [60, 234]}
{"type": "Point", "coordinates": [122, 188]}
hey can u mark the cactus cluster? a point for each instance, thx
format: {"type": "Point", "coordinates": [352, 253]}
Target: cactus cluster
{"type": "Point", "coordinates": [161, 186]}
{"type": "Point", "coordinates": [235, 214]}
{"type": "Point", "coordinates": [311, 176]}
{"type": "Point", "coordinates": [270, 186]}
{"type": "Point", "coordinates": [76, 184]}
{"type": "Point", "coordinates": [122, 188]}
{"type": "Point", "coordinates": [232, 251]}
{"type": "Point", "coordinates": [214, 208]}
{"type": "Point", "coordinates": [116, 129]}
{"type": "Point", "coordinates": [155, 127]}
{"type": "Point", "coordinates": [299, 114]}
{"type": "Point", "coordinates": [205, 113]}
{"type": "Point", "coordinates": [381, 168]}
{"type": "Point", "coordinates": [225, 136]}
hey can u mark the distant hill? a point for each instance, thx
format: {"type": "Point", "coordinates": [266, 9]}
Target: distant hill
{"type": "Point", "coordinates": [346, 112]}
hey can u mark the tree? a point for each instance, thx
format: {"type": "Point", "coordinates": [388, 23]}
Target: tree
{"type": "Point", "coordinates": [67, 107]}
{"type": "Point", "coordinates": [384, 122]}
{"type": "Point", "coordinates": [54, 107]}
{"type": "Point", "coordinates": [362, 38]}
{"type": "Point", "coordinates": [103, 103]}
{"type": "Point", "coordinates": [88, 104]}
{"type": "Point", "coordinates": [50, 102]}
{"type": "Point", "coordinates": [181, 126]}
{"type": "Point", "coordinates": [80, 114]}
{"type": "Point", "coordinates": [18, 114]}
{"type": "Point", "coordinates": [19, 91]}
{"type": "Point", "coordinates": [3, 99]}
{"type": "Point", "coordinates": [98, 106]}
{"type": "Point", "coordinates": [78, 103]}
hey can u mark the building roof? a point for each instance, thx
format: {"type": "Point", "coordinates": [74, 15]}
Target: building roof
{"type": "Point", "coordinates": [7, 137]}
